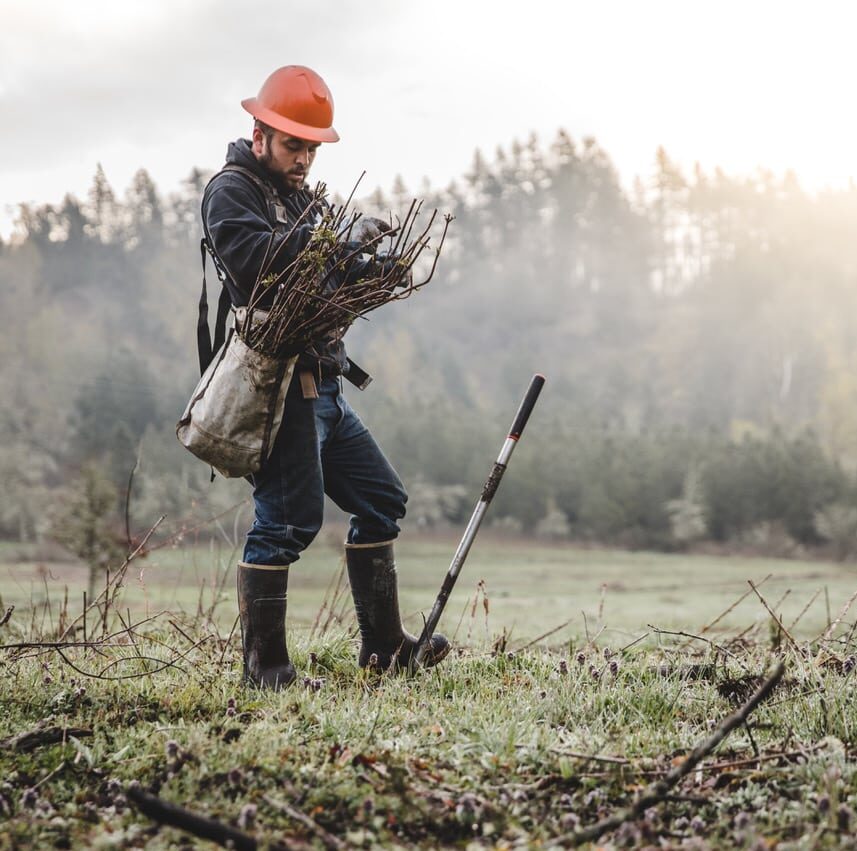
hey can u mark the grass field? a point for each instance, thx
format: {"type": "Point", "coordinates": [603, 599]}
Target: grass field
{"type": "Point", "coordinates": [530, 588]}
{"type": "Point", "coordinates": [503, 746]}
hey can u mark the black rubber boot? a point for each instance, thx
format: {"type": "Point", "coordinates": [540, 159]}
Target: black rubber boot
{"type": "Point", "coordinates": [374, 586]}
{"type": "Point", "coordinates": [262, 606]}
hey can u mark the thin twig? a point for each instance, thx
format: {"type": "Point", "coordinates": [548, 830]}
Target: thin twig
{"type": "Point", "coordinates": [107, 641]}
{"type": "Point", "coordinates": [719, 647]}
{"type": "Point", "coordinates": [545, 635]}
{"type": "Point", "coordinates": [328, 839]}
{"type": "Point", "coordinates": [632, 643]}
{"type": "Point", "coordinates": [658, 791]}
{"type": "Point", "coordinates": [228, 639]}
{"type": "Point", "coordinates": [830, 629]}
{"type": "Point", "coordinates": [115, 579]}
{"type": "Point", "coordinates": [777, 620]}
{"type": "Point", "coordinates": [51, 774]}
{"type": "Point", "coordinates": [32, 739]}
{"type": "Point", "coordinates": [805, 609]}
{"type": "Point", "coordinates": [164, 664]}
{"type": "Point", "coordinates": [164, 812]}
{"type": "Point", "coordinates": [128, 541]}
{"type": "Point", "coordinates": [588, 757]}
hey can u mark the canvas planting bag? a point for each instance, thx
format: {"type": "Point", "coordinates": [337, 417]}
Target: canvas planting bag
{"type": "Point", "coordinates": [236, 409]}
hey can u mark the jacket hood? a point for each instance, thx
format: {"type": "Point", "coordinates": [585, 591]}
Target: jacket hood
{"type": "Point", "coordinates": [240, 153]}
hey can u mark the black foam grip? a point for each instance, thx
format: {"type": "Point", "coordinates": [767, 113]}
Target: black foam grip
{"type": "Point", "coordinates": [527, 406]}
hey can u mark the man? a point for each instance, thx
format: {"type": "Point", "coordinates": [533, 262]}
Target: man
{"type": "Point", "coordinates": [322, 446]}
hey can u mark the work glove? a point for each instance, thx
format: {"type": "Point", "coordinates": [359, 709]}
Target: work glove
{"type": "Point", "coordinates": [367, 232]}
{"type": "Point", "coordinates": [384, 263]}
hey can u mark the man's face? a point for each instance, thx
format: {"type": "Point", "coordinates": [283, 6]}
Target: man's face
{"type": "Point", "coordinates": [286, 156]}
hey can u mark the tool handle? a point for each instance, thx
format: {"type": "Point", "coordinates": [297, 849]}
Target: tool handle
{"type": "Point", "coordinates": [467, 539]}
{"type": "Point", "coordinates": [527, 406]}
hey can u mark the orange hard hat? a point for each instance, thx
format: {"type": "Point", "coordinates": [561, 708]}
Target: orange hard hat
{"type": "Point", "coordinates": [295, 100]}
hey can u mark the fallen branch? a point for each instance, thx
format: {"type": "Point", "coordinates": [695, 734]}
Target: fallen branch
{"type": "Point", "coordinates": [547, 634]}
{"type": "Point", "coordinates": [32, 739]}
{"type": "Point", "coordinates": [658, 791]}
{"type": "Point", "coordinates": [164, 664]}
{"type": "Point", "coordinates": [718, 647]}
{"type": "Point", "coordinates": [758, 760]}
{"type": "Point", "coordinates": [95, 644]}
{"type": "Point", "coordinates": [588, 757]}
{"type": "Point", "coordinates": [328, 839]}
{"type": "Point", "coordinates": [205, 828]}
{"type": "Point", "coordinates": [749, 762]}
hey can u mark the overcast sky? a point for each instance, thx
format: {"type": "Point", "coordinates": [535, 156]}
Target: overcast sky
{"type": "Point", "coordinates": [418, 86]}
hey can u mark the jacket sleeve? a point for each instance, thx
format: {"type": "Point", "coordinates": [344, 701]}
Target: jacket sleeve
{"type": "Point", "coordinates": [236, 222]}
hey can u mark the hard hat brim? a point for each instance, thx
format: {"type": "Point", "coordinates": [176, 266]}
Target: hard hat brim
{"type": "Point", "coordinates": [285, 125]}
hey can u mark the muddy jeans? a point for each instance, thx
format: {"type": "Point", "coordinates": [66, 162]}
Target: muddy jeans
{"type": "Point", "coordinates": [322, 448]}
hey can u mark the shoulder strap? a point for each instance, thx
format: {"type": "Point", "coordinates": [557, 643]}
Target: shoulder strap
{"type": "Point", "coordinates": [276, 214]}
{"type": "Point", "coordinates": [205, 347]}
{"type": "Point", "coordinates": [276, 210]}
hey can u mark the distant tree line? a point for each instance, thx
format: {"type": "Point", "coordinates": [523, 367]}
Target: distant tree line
{"type": "Point", "coordinates": [697, 331]}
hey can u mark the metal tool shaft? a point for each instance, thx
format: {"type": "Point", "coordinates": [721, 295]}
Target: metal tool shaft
{"type": "Point", "coordinates": [488, 491]}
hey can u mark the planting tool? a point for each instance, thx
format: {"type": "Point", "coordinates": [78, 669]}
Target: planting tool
{"type": "Point", "coordinates": [488, 491]}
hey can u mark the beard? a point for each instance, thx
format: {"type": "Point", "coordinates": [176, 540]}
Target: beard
{"type": "Point", "coordinates": [280, 178]}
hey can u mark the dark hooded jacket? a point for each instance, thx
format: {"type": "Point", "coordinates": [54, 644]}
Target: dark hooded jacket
{"type": "Point", "coordinates": [237, 222]}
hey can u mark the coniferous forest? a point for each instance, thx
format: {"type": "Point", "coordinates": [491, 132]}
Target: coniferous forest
{"type": "Point", "coordinates": [698, 333]}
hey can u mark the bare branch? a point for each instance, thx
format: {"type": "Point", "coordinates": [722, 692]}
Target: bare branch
{"type": "Point", "coordinates": [215, 831]}
{"type": "Point", "coordinates": [32, 739]}
{"type": "Point", "coordinates": [328, 839]}
{"type": "Point", "coordinates": [658, 791]}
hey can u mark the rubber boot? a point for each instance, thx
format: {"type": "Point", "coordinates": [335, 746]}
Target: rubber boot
{"type": "Point", "coordinates": [262, 606]}
{"type": "Point", "coordinates": [374, 586]}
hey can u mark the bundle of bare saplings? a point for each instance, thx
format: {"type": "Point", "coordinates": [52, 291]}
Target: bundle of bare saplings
{"type": "Point", "coordinates": [349, 266]}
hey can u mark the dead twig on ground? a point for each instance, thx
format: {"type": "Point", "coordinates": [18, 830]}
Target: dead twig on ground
{"type": "Point", "coordinates": [328, 839]}
{"type": "Point", "coordinates": [162, 663]}
{"type": "Point", "coordinates": [32, 739]}
{"type": "Point", "coordinates": [658, 791]}
{"type": "Point", "coordinates": [107, 641]}
{"type": "Point", "coordinates": [547, 634]}
{"type": "Point", "coordinates": [632, 643]}
{"type": "Point", "coordinates": [588, 757]}
{"type": "Point", "coordinates": [718, 647]}
{"type": "Point", "coordinates": [173, 815]}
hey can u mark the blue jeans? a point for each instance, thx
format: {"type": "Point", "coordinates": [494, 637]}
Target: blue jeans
{"type": "Point", "coordinates": [322, 448]}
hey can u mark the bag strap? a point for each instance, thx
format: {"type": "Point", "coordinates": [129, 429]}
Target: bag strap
{"type": "Point", "coordinates": [277, 213]}
{"type": "Point", "coordinates": [276, 210]}
{"type": "Point", "coordinates": [204, 345]}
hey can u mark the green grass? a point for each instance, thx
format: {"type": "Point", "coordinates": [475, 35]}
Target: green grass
{"type": "Point", "coordinates": [487, 751]}
{"type": "Point", "coordinates": [530, 588]}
